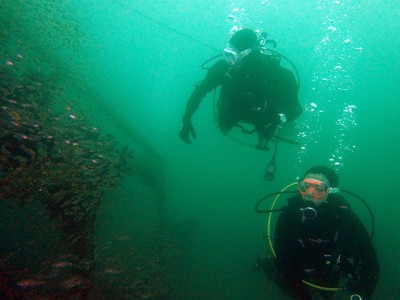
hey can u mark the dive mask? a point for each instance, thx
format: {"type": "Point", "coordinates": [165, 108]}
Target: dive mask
{"type": "Point", "coordinates": [234, 56]}
{"type": "Point", "coordinates": [318, 189]}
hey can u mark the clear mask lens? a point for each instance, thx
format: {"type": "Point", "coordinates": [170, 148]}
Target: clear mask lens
{"type": "Point", "coordinates": [317, 188]}
{"type": "Point", "coordinates": [233, 56]}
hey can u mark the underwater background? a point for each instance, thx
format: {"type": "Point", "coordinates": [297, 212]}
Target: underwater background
{"type": "Point", "coordinates": [99, 194]}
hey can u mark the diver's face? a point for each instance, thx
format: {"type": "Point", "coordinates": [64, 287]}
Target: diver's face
{"type": "Point", "coordinates": [314, 188]}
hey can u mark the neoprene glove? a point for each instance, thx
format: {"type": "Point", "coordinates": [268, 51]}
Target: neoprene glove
{"type": "Point", "coordinates": [187, 129]}
{"type": "Point", "coordinates": [280, 119]}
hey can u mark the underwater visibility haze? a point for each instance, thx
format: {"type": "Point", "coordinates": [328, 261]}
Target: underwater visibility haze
{"type": "Point", "coordinates": [100, 199]}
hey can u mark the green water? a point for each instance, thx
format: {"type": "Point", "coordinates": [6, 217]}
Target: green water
{"type": "Point", "coordinates": [142, 59]}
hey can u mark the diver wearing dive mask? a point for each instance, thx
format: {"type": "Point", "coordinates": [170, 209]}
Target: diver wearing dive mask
{"type": "Point", "coordinates": [319, 240]}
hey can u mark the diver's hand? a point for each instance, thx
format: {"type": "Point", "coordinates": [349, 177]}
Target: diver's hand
{"type": "Point", "coordinates": [282, 118]}
{"type": "Point", "coordinates": [279, 119]}
{"type": "Point", "coordinates": [187, 129]}
{"type": "Point", "coordinates": [276, 121]}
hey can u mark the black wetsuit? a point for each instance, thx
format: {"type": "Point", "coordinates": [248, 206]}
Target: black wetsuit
{"type": "Point", "coordinates": [321, 250]}
{"type": "Point", "coordinates": [255, 92]}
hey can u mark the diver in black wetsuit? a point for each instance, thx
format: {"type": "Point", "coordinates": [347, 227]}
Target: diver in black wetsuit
{"type": "Point", "coordinates": [318, 240]}
{"type": "Point", "coordinates": [255, 89]}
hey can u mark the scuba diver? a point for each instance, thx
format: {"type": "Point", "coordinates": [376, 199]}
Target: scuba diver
{"type": "Point", "coordinates": [255, 89]}
{"type": "Point", "coordinates": [319, 240]}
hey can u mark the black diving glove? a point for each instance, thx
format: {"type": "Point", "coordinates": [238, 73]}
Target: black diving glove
{"type": "Point", "coordinates": [187, 129]}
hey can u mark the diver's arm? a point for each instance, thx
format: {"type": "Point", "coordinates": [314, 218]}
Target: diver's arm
{"type": "Point", "coordinates": [369, 272]}
{"type": "Point", "coordinates": [287, 260]}
{"type": "Point", "coordinates": [187, 130]}
{"type": "Point", "coordinates": [212, 80]}
{"type": "Point", "coordinates": [194, 101]}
